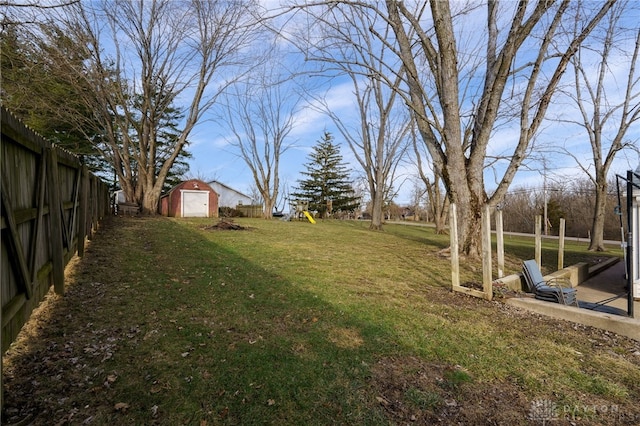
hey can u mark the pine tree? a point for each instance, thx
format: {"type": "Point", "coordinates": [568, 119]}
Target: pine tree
{"type": "Point", "coordinates": [327, 186]}
{"type": "Point", "coordinates": [34, 90]}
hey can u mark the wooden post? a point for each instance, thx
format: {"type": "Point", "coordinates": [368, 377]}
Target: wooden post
{"type": "Point", "coordinates": [561, 245]}
{"type": "Point", "coordinates": [538, 255]}
{"type": "Point", "coordinates": [55, 221]}
{"type": "Point", "coordinates": [453, 230]}
{"type": "Point", "coordinates": [500, 243]}
{"type": "Point", "coordinates": [91, 210]}
{"type": "Point", "coordinates": [82, 209]}
{"type": "Point", "coordinates": [487, 285]}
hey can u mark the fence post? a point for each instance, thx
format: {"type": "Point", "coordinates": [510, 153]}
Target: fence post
{"type": "Point", "coordinates": [487, 285]}
{"type": "Point", "coordinates": [453, 230]}
{"type": "Point", "coordinates": [55, 221]}
{"type": "Point", "coordinates": [500, 243]}
{"type": "Point", "coordinates": [82, 209]}
{"type": "Point", "coordinates": [538, 255]}
{"type": "Point", "coordinates": [561, 245]}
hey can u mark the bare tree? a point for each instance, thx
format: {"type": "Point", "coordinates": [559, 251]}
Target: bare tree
{"type": "Point", "coordinates": [460, 82]}
{"type": "Point", "coordinates": [147, 57]}
{"type": "Point", "coordinates": [261, 112]}
{"type": "Point", "coordinates": [378, 143]}
{"type": "Point", "coordinates": [17, 12]}
{"type": "Point", "coordinates": [345, 44]}
{"type": "Point", "coordinates": [606, 116]}
{"type": "Point", "coordinates": [454, 120]}
{"type": "Point", "coordinates": [438, 203]}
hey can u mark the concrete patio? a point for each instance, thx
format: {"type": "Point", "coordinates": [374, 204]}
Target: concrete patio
{"type": "Point", "coordinates": [603, 283]}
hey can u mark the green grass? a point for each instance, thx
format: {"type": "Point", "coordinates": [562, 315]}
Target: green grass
{"type": "Point", "coordinates": [291, 323]}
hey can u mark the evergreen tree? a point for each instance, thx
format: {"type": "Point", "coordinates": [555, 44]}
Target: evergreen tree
{"type": "Point", "coordinates": [35, 90]}
{"type": "Point", "coordinates": [327, 182]}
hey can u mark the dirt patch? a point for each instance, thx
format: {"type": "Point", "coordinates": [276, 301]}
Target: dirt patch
{"type": "Point", "coordinates": [416, 391]}
{"type": "Point", "coordinates": [225, 225]}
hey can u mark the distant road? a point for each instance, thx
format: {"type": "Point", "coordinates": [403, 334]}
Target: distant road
{"type": "Point", "coordinates": [515, 234]}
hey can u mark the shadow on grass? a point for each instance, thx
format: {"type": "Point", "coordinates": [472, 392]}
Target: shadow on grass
{"type": "Point", "coordinates": [166, 324]}
{"type": "Point", "coordinates": [161, 324]}
{"type": "Point", "coordinates": [421, 233]}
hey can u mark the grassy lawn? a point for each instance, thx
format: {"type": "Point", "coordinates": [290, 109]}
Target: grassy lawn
{"type": "Point", "coordinates": [166, 322]}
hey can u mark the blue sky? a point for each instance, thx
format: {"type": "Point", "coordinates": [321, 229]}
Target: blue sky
{"type": "Point", "coordinates": [215, 158]}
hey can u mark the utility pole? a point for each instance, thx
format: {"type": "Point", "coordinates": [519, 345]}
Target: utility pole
{"type": "Point", "coordinates": [544, 195]}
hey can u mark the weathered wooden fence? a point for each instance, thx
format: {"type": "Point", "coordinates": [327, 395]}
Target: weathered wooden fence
{"type": "Point", "coordinates": [250, 210]}
{"type": "Point", "coordinates": [50, 204]}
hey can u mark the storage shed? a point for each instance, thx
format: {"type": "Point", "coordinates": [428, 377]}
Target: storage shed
{"type": "Point", "coordinates": [192, 198]}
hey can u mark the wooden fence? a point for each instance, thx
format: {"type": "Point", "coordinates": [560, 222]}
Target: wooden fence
{"type": "Point", "coordinates": [250, 210]}
{"type": "Point", "coordinates": [50, 204]}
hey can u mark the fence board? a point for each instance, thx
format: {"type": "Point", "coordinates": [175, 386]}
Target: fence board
{"type": "Point", "coordinates": [44, 216]}
{"type": "Point", "coordinates": [50, 204]}
{"type": "Point", "coordinates": [14, 245]}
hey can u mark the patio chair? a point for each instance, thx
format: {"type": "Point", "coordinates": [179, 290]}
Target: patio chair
{"type": "Point", "coordinates": [556, 290]}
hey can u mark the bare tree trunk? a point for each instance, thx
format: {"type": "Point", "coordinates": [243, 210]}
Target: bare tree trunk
{"type": "Point", "coordinates": [267, 213]}
{"type": "Point", "coordinates": [438, 205]}
{"type": "Point", "coordinates": [599, 111]}
{"type": "Point", "coordinates": [378, 141]}
{"type": "Point", "coordinates": [597, 227]}
{"type": "Point", "coordinates": [457, 146]}
{"type": "Point", "coordinates": [377, 206]}
{"type": "Point", "coordinates": [150, 201]}
{"type": "Point", "coordinates": [260, 113]}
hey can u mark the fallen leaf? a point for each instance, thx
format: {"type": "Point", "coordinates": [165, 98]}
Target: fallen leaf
{"type": "Point", "coordinates": [271, 402]}
{"type": "Point", "coordinates": [382, 401]}
{"type": "Point", "coordinates": [121, 406]}
{"type": "Point", "coordinates": [224, 412]}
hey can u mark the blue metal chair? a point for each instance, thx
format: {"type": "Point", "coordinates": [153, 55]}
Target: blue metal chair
{"type": "Point", "coordinates": [556, 290]}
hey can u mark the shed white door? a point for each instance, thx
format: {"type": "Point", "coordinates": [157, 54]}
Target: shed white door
{"type": "Point", "coordinates": [195, 203]}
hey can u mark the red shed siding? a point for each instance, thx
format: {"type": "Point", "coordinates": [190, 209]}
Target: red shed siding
{"type": "Point", "coordinates": [171, 203]}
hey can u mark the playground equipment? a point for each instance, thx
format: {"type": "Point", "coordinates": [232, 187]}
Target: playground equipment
{"type": "Point", "coordinates": [311, 219]}
{"type": "Point", "coordinates": [301, 208]}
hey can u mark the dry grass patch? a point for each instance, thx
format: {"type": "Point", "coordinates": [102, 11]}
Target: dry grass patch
{"type": "Point", "coordinates": [345, 338]}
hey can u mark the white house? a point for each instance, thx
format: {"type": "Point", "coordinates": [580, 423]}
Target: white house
{"type": "Point", "coordinates": [229, 197]}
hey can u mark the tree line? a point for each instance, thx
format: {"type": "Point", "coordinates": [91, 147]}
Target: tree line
{"type": "Point", "coordinates": [573, 201]}
{"type": "Point", "coordinates": [434, 85]}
